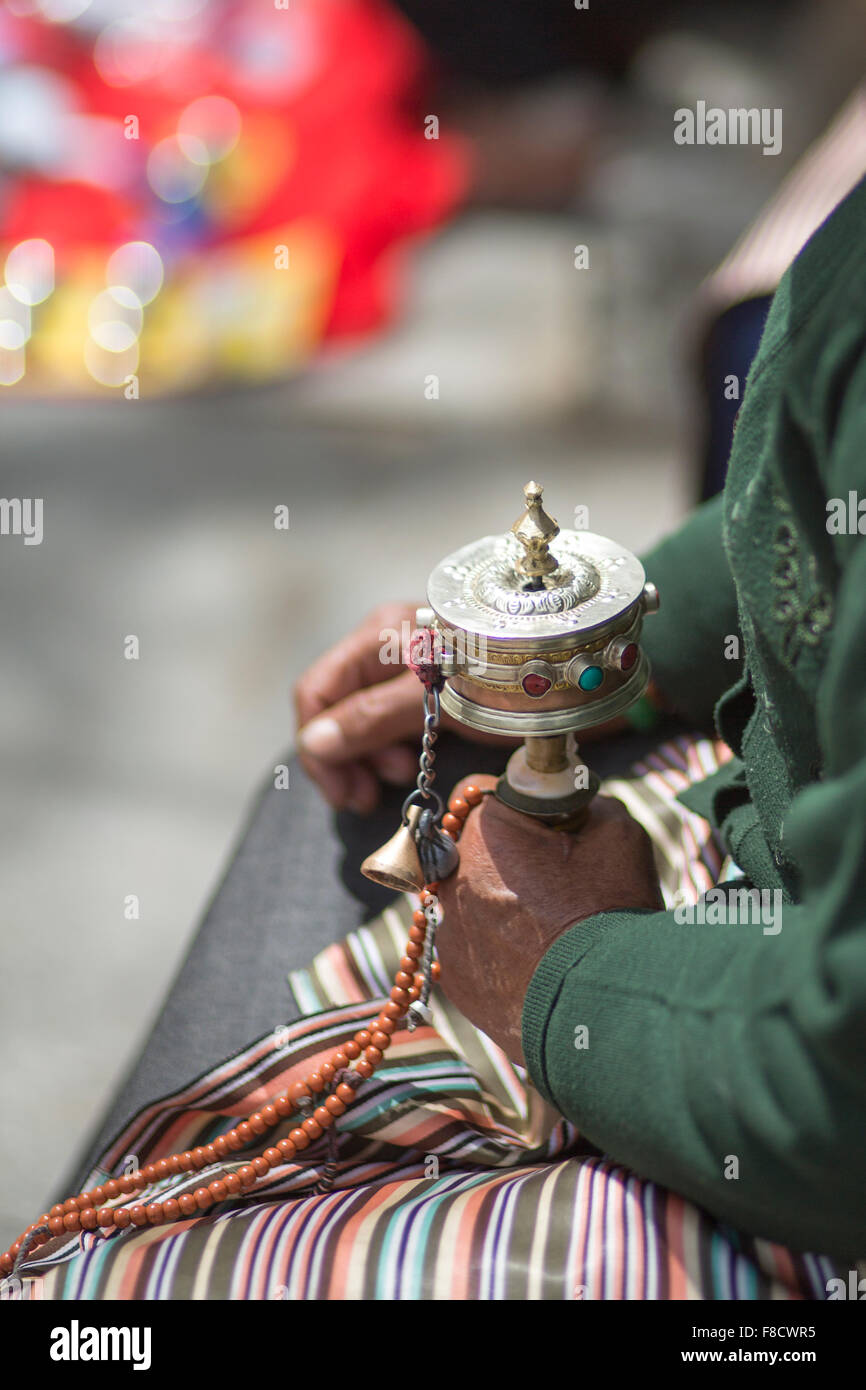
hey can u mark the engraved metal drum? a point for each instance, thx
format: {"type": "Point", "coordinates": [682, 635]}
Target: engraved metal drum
{"type": "Point", "coordinates": [539, 629]}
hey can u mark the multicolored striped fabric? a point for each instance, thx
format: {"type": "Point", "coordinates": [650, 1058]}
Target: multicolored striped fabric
{"type": "Point", "coordinates": [455, 1180]}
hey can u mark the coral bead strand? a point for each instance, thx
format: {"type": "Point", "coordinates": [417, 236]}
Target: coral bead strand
{"type": "Point", "coordinates": [361, 1056]}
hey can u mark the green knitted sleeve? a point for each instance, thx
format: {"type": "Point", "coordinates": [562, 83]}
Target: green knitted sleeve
{"type": "Point", "coordinates": [685, 639]}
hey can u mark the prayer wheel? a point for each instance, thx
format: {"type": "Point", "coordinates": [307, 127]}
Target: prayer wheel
{"type": "Point", "coordinates": [535, 634]}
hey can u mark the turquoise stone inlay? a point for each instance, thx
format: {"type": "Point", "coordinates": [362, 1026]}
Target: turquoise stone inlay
{"type": "Point", "coordinates": [591, 678]}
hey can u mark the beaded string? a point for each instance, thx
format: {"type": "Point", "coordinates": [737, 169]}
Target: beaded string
{"type": "Point", "coordinates": [340, 1077]}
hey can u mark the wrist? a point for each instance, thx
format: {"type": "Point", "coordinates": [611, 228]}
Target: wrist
{"type": "Point", "coordinates": [545, 986]}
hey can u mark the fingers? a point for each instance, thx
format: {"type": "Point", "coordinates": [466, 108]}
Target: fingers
{"type": "Point", "coordinates": [352, 786]}
{"type": "Point", "coordinates": [367, 721]}
{"type": "Point", "coordinates": [340, 720]}
{"type": "Point", "coordinates": [335, 784]}
{"type": "Point", "coordinates": [350, 747]}
{"type": "Point", "coordinates": [360, 781]}
{"type": "Point", "coordinates": [609, 815]}
{"type": "Point", "coordinates": [482, 780]}
{"type": "Point", "coordinates": [354, 707]}
{"type": "Point", "coordinates": [397, 764]}
{"type": "Point", "coordinates": [609, 808]}
{"type": "Point", "coordinates": [605, 813]}
{"type": "Point", "coordinates": [495, 810]}
{"type": "Point", "coordinates": [364, 791]}
{"type": "Point", "coordinates": [365, 657]}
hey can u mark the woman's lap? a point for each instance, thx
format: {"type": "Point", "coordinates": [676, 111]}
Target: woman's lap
{"type": "Point", "coordinates": [455, 1179]}
{"type": "Point", "coordinates": [292, 887]}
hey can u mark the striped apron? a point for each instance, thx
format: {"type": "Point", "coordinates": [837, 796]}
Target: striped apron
{"type": "Point", "coordinates": [454, 1179]}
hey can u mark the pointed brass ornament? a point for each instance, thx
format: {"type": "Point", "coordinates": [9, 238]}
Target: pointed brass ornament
{"type": "Point", "coordinates": [397, 864]}
{"type": "Point", "coordinates": [535, 530]}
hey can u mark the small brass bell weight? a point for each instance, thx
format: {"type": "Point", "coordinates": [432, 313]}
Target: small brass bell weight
{"type": "Point", "coordinates": [417, 853]}
{"type": "Point", "coordinates": [533, 634]}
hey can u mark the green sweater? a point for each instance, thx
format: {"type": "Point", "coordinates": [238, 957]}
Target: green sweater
{"type": "Point", "coordinates": [708, 1043]}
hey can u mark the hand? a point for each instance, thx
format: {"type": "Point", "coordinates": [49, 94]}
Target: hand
{"type": "Point", "coordinates": [355, 710]}
{"type": "Point", "coordinates": [518, 887]}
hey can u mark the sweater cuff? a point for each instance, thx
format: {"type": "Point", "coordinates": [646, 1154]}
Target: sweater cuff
{"type": "Point", "coordinates": [544, 988]}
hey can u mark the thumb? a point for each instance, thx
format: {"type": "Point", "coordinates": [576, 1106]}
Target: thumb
{"type": "Point", "coordinates": [366, 721]}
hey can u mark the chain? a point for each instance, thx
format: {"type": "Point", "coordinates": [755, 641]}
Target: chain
{"type": "Point", "coordinates": [427, 775]}
{"type": "Point", "coordinates": [427, 771]}
{"type": "Point", "coordinates": [420, 1012]}
{"type": "Point", "coordinates": [430, 674]}
{"type": "Point", "coordinates": [432, 912]}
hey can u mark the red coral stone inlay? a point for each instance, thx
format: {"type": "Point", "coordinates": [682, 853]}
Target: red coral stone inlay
{"type": "Point", "coordinates": [536, 685]}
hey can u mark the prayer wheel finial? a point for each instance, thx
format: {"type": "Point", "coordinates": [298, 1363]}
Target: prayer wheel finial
{"type": "Point", "coordinates": [535, 530]}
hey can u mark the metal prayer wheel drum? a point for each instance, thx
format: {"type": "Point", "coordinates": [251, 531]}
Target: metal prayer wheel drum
{"type": "Point", "coordinates": [538, 635]}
